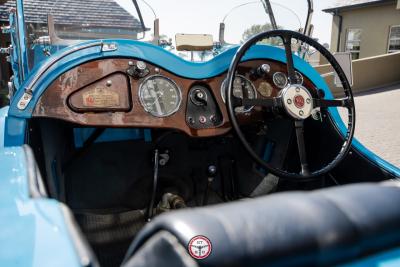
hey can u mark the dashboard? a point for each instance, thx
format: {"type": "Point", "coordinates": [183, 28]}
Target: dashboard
{"type": "Point", "coordinates": [125, 92]}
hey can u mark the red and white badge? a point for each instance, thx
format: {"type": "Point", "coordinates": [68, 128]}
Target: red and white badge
{"type": "Point", "coordinates": [299, 101]}
{"type": "Point", "coordinates": [199, 247]}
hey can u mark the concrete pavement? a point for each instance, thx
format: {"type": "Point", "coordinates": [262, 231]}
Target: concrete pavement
{"type": "Point", "coordinates": [378, 122]}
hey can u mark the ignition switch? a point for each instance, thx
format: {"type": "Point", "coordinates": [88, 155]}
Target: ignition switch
{"type": "Point", "coordinates": [138, 70]}
{"type": "Point", "coordinates": [199, 97]}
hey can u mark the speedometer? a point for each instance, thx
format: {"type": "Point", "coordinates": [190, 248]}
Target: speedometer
{"type": "Point", "coordinates": [160, 96]}
{"type": "Point", "coordinates": [241, 86]}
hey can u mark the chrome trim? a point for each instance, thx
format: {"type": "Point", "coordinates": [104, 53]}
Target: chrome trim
{"type": "Point", "coordinates": [86, 256]}
{"type": "Point", "coordinates": [143, 104]}
{"type": "Point", "coordinates": [108, 47]}
{"type": "Point", "coordinates": [50, 63]}
{"type": "Point", "coordinates": [35, 181]}
{"type": "Point", "coordinates": [288, 99]}
{"type": "Point", "coordinates": [27, 96]}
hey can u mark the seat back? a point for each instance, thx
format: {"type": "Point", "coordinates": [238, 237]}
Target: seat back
{"type": "Point", "coordinates": [318, 228]}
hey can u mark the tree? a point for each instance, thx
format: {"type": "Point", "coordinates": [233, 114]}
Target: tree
{"type": "Point", "coordinates": [258, 28]}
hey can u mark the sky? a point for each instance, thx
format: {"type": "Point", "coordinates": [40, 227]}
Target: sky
{"type": "Point", "coordinates": [204, 16]}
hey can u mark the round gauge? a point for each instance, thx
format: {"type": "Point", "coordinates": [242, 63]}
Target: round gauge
{"type": "Point", "coordinates": [160, 96]}
{"type": "Point", "coordinates": [299, 78]}
{"type": "Point", "coordinates": [265, 89]}
{"type": "Point", "coordinates": [241, 85]}
{"type": "Point", "coordinates": [280, 79]}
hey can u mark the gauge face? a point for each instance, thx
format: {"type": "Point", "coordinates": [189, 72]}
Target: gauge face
{"type": "Point", "coordinates": [160, 96]}
{"type": "Point", "coordinates": [265, 89]}
{"type": "Point", "coordinates": [280, 79]}
{"type": "Point", "coordinates": [240, 85]}
{"type": "Point", "coordinates": [299, 78]}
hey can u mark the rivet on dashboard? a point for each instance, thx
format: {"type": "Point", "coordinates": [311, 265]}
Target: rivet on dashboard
{"type": "Point", "coordinates": [109, 83]}
{"type": "Point", "coordinates": [130, 63]}
{"type": "Point", "coordinates": [157, 70]}
{"type": "Point", "coordinates": [289, 101]}
{"type": "Point", "coordinates": [301, 113]}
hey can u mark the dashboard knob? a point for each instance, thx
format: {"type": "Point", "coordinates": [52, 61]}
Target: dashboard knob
{"type": "Point", "coordinates": [263, 69]}
{"type": "Point", "coordinates": [211, 171]}
{"type": "Point", "coordinates": [199, 97]}
{"type": "Point", "coordinates": [141, 65]}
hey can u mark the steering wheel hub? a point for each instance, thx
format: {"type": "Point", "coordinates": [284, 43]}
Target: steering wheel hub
{"type": "Point", "coordinates": [297, 101]}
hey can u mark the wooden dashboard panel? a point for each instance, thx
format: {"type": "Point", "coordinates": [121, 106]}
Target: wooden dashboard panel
{"type": "Point", "coordinates": [67, 97]}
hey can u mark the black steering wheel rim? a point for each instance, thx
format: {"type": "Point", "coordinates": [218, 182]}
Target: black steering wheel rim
{"type": "Point", "coordinates": [231, 103]}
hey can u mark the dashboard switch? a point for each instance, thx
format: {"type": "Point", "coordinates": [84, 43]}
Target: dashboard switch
{"type": "Point", "coordinates": [202, 119]}
{"type": "Point", "coordinates": [199, 96]}
{"type": "Point", "coordinates": [138, 70]}
{"type": "Point", "coordinates": [263, 69]}
{"type": "Point", "coordinates": [202, 111]}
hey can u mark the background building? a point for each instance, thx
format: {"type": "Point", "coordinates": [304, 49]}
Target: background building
{"type": "Point", "coordinates": [366, 27]}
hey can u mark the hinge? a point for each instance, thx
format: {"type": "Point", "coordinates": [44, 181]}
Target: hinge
{"type": "Point", "coordinates": [24, 101]}
{"type": "Point", "coordinates": [108, 47]}
{"type": "Point", "coordinates": [4, 50]}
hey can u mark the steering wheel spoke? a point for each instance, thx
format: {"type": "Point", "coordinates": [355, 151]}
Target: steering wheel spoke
{"type": "Point", "coordinates": [301, 145]}
{"type": "Point", "coordinates": [326, 103]}
{"type": "Point", "coordinates": [287, 42]}
{"type": "Point", "coordinates": [263, 102]}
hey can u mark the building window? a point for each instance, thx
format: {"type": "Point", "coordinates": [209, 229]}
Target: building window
{"type": "Point", "coordinates": [394, 39]}
{"type": "Point", "coordinates": [353, 42]}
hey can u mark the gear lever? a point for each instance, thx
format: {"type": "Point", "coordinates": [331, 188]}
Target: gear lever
{"type": "Point", "coordinates": [155, 181]}
{"type": "Point", "coordinates": [211, 173]}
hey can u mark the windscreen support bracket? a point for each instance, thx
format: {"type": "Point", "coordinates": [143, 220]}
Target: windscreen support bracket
{"type": "Point", "coordinates": [270, 13]}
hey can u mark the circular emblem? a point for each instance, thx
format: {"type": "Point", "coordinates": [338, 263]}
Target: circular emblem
{"type": "Point", "coordinates": [298, 101]}
{"type": "Point", "coordinates": [199, 247]}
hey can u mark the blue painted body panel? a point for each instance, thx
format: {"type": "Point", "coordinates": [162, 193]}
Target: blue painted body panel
{"type": "Point", "coordinates": [15, 131]}
{"type": "Point", "coordinates": [22, 43]}
{"type": "Point", "coordinates": [34, 232]}
{"type": "Point", "coordinates": [14, 52]}
{"type": "Point", "coordinates": [3, 115]}
{"type": "Point", "coordinates": [109, 135]}
{"type": "Point", "coordinates": [389, 258]}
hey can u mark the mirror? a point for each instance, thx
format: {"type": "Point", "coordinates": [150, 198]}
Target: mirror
{"type": "Point", "coordinates": [194, 42]}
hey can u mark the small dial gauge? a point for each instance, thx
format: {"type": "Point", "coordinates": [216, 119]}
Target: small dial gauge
{"type": "Point", "coordinates": [280, 79]}
{"type": "Point", "coordinates": [160, 96]}
{"type": "Point", "coordinates": [241, 85]}
{"type": "Point", "coordinates": [299, 78]}
{"type": "Point", "coordinates": [265, 89]}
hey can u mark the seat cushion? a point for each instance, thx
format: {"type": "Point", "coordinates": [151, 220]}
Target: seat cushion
{"type": "Point", "coordinates": [318, 228]}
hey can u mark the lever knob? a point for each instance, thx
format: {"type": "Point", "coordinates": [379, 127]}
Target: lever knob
{"type": "Point", "coordinates": [200, 97]}
{"type": "Point", "coordinates": [212, 171]}
{"type": "Point", "coordinates": [263, 69]}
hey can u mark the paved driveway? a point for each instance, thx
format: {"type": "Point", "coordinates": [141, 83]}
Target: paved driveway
{"type": "Point", "coordinates": [378, 122]}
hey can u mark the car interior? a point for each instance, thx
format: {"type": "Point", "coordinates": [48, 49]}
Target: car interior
{"type": "Point", "coordinates": [125, 143]}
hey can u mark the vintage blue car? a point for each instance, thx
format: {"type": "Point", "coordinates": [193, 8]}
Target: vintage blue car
{"type": "Point", "coordinates": [109, 132]}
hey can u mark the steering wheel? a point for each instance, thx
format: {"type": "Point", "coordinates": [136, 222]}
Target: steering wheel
{"type": "Point", "coordinates": [296, 101]}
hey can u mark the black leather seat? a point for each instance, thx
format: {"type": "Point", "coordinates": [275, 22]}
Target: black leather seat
{"type": "Point", "coordinates": [319, 228]}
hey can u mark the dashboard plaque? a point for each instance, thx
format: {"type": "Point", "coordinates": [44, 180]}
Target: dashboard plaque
{"type": "Point", "coordinates": [100, 98]}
